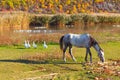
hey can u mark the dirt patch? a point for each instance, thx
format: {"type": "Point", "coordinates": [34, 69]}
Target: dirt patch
{"type": "Point", "coordinates": [43, 77]}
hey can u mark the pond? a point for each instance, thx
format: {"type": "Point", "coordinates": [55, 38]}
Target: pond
{"type": "Point", "coordinates": [98, 27]}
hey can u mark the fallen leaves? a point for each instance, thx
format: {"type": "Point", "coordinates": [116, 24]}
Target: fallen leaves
{"type": "Point", "coordinates": [108, 68]}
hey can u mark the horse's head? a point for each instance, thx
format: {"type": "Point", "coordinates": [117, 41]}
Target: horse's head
{"type": "Point", "coordinates": [101, 55]}
{"type": "Point", "coordinates": [100, 52]}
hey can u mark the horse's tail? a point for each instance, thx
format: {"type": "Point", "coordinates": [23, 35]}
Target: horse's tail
{"type": "Point", "coordinates": [61, 42]}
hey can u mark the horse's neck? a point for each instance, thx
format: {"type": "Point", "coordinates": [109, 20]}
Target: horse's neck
{"type": "Point", "coordinates": [96, 47]}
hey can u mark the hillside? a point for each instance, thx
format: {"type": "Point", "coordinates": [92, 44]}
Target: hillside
{"type": "Point", "coordinates": [61, 6]}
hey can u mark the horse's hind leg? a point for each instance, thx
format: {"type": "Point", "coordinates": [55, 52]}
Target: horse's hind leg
{"type": "Point", "coordinates": [64, 52]}
{"type": "Point", "coordinates": [70, 51]}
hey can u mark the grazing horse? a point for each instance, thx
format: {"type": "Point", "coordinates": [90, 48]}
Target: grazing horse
{"type": "Point", "coordinates": [81, 41]}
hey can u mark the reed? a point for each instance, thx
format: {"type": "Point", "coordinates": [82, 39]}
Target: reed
{"type": "Point", "coordinates": [13, 21]}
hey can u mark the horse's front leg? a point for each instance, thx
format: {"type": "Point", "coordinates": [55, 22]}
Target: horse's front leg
{"type": "Point", "coordinates": [90, 56]}
{"type": "Point", "coordinates": [70, 51]}
{"type": "Point", "coordinates": [87, 51]}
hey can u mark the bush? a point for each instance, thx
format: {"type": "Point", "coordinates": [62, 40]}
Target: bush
{"type": "Point", "coordinates": [108, 19]}
{"type": "Point", "coordinates": [58, 20]}
{"type": "Point", "coordinates": [76, 18]}
{"type": "Point", "coordinates": [44, 20]}
{"type": "Point", "coordinates": [39, 20]}
{"type": "Point", "coordinates": [101, 19]}
{"type": "Point", "coordinates": [68, 20]}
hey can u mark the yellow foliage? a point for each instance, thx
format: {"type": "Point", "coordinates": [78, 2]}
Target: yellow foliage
{"type": "Point", "coordinates": [3, 2]}
{"type": "Point", "coordinates": [60, 6]}
{"type": "Point", "coordinates": [83, 6]}
{"type": "Point", "coordinates": [43, 6]}
{"type": "Point", "coordinates": [56, 1]}
{"type": "Point", "coordinates": [50, 5]}
{"type": "Point", "coordinates": [68, 2]}
{"type": "Point", "coordinates": [80, 0]}
{"type": "Point", "coordinates": [51, 1]}
{"type": "Point", "coordinates": [79, 6]}
{"type": "Point", "coordinates": [99, 0]}
{"type": "Point", "coordinates": [42, 1]}
{"type": "Point", "coordinates": [83, 11]}
{"type": "Point", "coordinates": [87, 4]}
{"type": "Point", "coordinates": [88, 11]}
{"type": "Point", "coordinates": [74, 9]}
{"type": "Point", "coordinates": [100, 11]}
{"type": "Point", "coordinates": [75, 1]}
{"type": "Point", "coordinates": [53, 5]}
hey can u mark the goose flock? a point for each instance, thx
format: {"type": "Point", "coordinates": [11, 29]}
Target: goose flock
{"type": "Point", "coordinates": [27, 44]}
{"type": "Point", "coordinates": [34, 45]}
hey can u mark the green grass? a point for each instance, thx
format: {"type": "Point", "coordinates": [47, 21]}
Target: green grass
{"type": "Point", "coordinates": [18, 63]}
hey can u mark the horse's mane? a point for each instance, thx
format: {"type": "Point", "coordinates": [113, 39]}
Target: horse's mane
{"type": "Point", "coordinates": [94, 42]}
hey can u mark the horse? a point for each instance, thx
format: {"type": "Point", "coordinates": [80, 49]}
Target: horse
{"type": "Point", "coordinates": [81, 41]}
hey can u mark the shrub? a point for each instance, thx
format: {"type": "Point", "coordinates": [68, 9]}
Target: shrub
{"type": "Point", "coordinates": [44, 20]}
{"type": "Point", "coordinates": [39, 20]}
{"type": "Point", "coordinates": [88, 18]}
{"type": "Point", "coordinates": [108, 19]}
{"type": "Point", "coordinates": [76, 17]}
{"type": "Point", "coordinates": [101, 19]}
{"type": "Point", "coordinates": [117, 19]}
{"type": "Point", "coordinates": [68, 20]}
{"type": "Point", "coordinates": [58, 20]}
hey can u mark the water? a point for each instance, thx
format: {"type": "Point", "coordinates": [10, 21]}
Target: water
{"type": "Point", "coordinates": [39, 31]}
{"type": "Point", "coordinates": [104, 27]}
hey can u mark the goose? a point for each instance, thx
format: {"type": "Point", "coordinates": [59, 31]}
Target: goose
{"type": "Point", "coordinates": [25, 44]}
{"type": "Point", "coordinates": [34, 45]}
{"type": "Point", "coordinates": [28, 44]}
{"type": "Point", "coordinates": [45, 45]}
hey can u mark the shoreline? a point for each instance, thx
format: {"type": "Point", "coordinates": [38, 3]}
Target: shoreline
{"type": "Point", "coordinates": [106, 14]}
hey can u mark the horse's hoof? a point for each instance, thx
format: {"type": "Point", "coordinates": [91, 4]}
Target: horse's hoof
{"type": "Point", "coordinates": [74, 60]}
{"type": "Point", "coordinates": [64, 61]}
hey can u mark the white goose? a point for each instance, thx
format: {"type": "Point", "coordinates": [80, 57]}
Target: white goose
{"type": "Point", "coordinates": [34, 45]}
{"type": "Point", "coordinates": [45, 45]}
{"type": "Point", "coordinates": [25, 44]}
{"type": "Point", "coordinates": [28, 44]}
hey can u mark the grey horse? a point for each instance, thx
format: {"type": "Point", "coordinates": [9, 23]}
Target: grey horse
{"type": "Point", "coordinates": [80, 41]}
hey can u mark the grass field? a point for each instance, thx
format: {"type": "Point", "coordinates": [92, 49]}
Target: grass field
{"type": "Point", "coordinates": [18, 63]}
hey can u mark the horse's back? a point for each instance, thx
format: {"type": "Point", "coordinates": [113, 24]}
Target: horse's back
{"type": "Point", "coordinates": [79, 40]}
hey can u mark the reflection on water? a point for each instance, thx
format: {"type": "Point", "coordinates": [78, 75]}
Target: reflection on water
{"type": "Point", "coordinates": [64, 29]}
{"type": "Point", "coordinates": [38, 31]}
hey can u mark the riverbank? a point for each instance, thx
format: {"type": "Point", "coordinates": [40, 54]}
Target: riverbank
{"type": "Point", "coordinates": [102, 34]}
{"type": "Point", "coordinates": [11, 21]}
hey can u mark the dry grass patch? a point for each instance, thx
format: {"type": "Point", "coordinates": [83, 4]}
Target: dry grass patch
{"type": "Point", "coordinates": [45, 57]}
